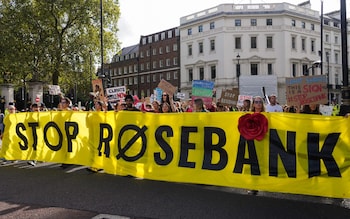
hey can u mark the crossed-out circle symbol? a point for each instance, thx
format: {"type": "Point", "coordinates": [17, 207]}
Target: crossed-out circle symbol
{"type": "Point", "coordinates": [140, 132]}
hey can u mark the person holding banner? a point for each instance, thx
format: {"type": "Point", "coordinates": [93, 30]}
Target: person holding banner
{"type": "Point", "coordinates": [258, 105]}
{"type": "Point", "coordinates": [311, 109]}
{"type": "Point", "coordinates": [198, 106]}
{"type": "Point", "coordinates": [273, 106]}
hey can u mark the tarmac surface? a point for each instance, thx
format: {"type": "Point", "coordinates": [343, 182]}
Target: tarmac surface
{"type": "Point", "coordinates": [48, 191]}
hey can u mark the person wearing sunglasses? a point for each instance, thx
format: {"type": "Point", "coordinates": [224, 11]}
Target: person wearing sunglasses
{"type": "Point", "coordinates": [258, 105]}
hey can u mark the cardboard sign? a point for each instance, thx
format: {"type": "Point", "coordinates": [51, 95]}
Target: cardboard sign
{"type": "Point", "coordinates": [241, 98]}
{"type": "Point", "coordinates": [116, 93]}
{"type": "Point", "coordinates": [167, 87]}
{"type": "Point", "coordinates": [306, 90]}
{"type": "Point", "coordinates": [202, 88]}
{"type": "Point", "coordinates": [229, 97]}
{"type": "Point", "coordinates": [54, 89]}
{"type": "Point", "coordinates": [98, 91]}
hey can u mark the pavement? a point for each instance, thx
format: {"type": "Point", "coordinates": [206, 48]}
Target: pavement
{"type": "Point", "coordinates": [48, 191]}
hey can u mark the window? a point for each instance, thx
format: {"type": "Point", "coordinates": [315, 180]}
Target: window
{"type": "Point", "coordinates": [161, 63]}
{"type": "Point", "coordinates": [294, 70]}
{"type": "Point", "coordinates": [141, 54]}
{"type": "Point", "coordinates": [293, 43]}
{"type": "Point", "coordinates": [168, 76]}
{"type": "Point", "coordinates": [327, 38]}
{"type": "Point", "coordinates": [190, 74]}
{"type": "Point", "coordinates": [125, 81]}
{"type": "Point", "coordinates": [135, 80]}
{"type": "Point", "coordinates": [269, 21]}
{"type": "Point", "coordinates": [269, 69]}
{"type": "Point", "coordinates": [336, 58]}
{"type": "Point", "coordinates": [200, 47]}
{"type": "Point", "coordinates": [237, 22]}
{"type": "Point", "coordinates": [305, 71]}
{"type": "Point", "coordinates": [154, 51]}
{"type": "Point", "coordinates": [200, 28]}
{"type": "Point", "coordinates": [142, 78]}
{"type": "Point", "coordinates": [312, 45]}
{"type": "Point", "coordinates": [303, 44]}
{"type": "Point", "coordinates": [212, 45]}
{"type": "Point", "coordinates": [253, 22]}
{"type": "Point", "coordinates": [150, 39]}
{"type": "Point", "coordinates": [147, 53]}
{"type": "Point", "coordinates": [254, 69]}
{"type": "Point", "coordinates": [189, 31]}
{"type": "Point", "coordinates": [170, 34]}
{"type": "Point", "coordinates": [253, 43]}
{"type": "Point", "coordinates": [156, 38]}
{"type": "Point", "coordinates": [293, 23]}
{"type": "Point", "coordinates": [154, 77]}
{"type": "Point", "coordinates": [130, 80]}
{"type": "Point", "coordinates": [189, 48]}
{"type": "Point", "coordinates": [212, 25]}
{"type": "Point", "coordinates": [336, 39]}
{"type": "Point", "coordinates": [175, 47]}
{"type": "Point", "coordinates": [167, 49]}
{"type": "Point", "coordinates": [238, 43]}
{"type": "Point", "coordinates": [162, 36]}
{"type": "Point", "coordinates": [269, 42]}
{"type": "Point", "coordinates": [303, 25]}
{"type": "Point", "coordinates": [213, 72]}
{"type": "Point", "coordinates": [201, 73]}
{"type": "Point", "coordinates": [160, 50]}
{"type": "Point", "coordinates": [142, 66]}
{"type": "Point", "coordinates": [154, 65]}
{"type": "Point", "coordinates": [168, 62]}
{"type": "Point", "coordinates": [148, 65]}
{"type": "Point", "coordinates": [312, 26]}
{"type": "Point", "coordinates": [148, 78]}
{"type": "Point", "coordinates": [175, 61]}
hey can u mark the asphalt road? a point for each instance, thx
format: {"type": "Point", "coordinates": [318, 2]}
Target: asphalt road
{"type": "Point", "coordinates": [47, 191]}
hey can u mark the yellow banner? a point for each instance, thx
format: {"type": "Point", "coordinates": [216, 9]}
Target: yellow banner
{"type": "Point", "coordinates": [299, 154]}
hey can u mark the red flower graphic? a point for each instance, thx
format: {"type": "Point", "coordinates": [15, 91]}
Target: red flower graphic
{"type": "Point", "coordinates": [253, 126]}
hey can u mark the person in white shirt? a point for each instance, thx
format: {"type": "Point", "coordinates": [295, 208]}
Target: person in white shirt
{"type": "Point", "coordinates": [273, 106]}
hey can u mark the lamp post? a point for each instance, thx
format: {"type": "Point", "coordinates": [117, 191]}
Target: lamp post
{"type": "Point", "coordinates": [238, 70]}
{"type": "Point", "coordinates": [321, 53]}
{"type": "Point", "coordinates": [328, 85]}
{"type": "Point", "coordinates": [101, 37]}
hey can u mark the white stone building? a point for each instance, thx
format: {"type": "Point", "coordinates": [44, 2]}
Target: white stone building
{"type": "Point", "coordinates": [272, 39]}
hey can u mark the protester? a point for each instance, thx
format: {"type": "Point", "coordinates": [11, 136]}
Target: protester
{"type": "Point", "coordinates": [311, 109]}
{"type": "Point", "coordinates": [198, 105]}
{"type": "Point", "coordinates": [129, 100]}
{"type": "Point", "coordinates": [258, 105]}
{"type": "Point", "coordinates": [246, 106]}
{"type": "Point", "coordinates": [156, 106]}
{"type": "Point", "coordinates": [273, 106]}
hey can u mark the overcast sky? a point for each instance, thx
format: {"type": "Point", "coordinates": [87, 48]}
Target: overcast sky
{"type": "Point", "coordinates": [144, 17]}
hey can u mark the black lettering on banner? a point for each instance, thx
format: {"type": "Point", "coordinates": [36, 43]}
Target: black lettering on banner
{"type": "Point", "coordinates": [288, 156]}
{"type": "Point", "coordinates": [185, 146]}
{"type": "Point", "coordinates": [139, 133]}
{"type": "Point", "coordinates": [75, 126]}
{"type": "Point", "coordinates": [34, 125]}
{"type": "Point", "coordinates": [209, 147]}
{"type": "Point", "coordinates": [104, 126]}
{"type": "Point", "coordinates": [252, 160]}
{"type": "Point", "coordinates": [21, 136]}
{"type": "Point", "coordinates": [164, 145]}
{"type": "Point", "coordinates": [60, 140]}
{"type": "Point", "coordinates": [314, 155]}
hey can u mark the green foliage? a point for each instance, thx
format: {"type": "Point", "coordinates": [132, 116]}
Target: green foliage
{"type": "Point", "coordinates": [51, 40]}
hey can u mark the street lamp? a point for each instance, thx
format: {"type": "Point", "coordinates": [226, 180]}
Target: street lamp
{"type": "Point", "coordinates": [315, 64]}
{"type": "Point", "coordinates": [238, 69]}
{"type": "Point", "coordinates": [90, 53]}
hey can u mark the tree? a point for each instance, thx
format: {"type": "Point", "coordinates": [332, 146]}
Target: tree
{"type": "Point", "coordinates": [50, 40]}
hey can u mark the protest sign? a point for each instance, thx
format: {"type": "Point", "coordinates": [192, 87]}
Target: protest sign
{"type": "Point", "coordinates": [306, 90]}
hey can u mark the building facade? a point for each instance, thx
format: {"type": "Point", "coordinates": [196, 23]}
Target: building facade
{"type": "Point", "coordinates": [141, 67]}
{"type": "Point", "coordinates": [222, 43]}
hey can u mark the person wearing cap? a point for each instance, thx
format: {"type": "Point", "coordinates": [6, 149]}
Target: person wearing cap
{"type": "Point", "coordinates": [273, 106]}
